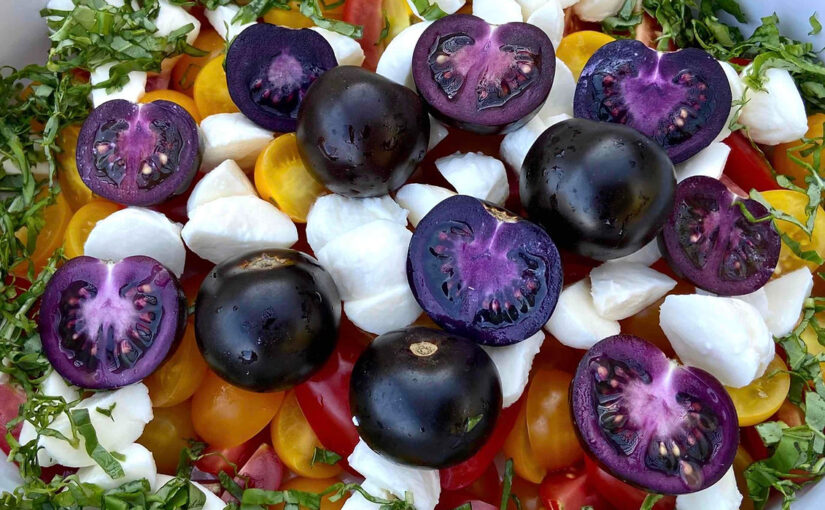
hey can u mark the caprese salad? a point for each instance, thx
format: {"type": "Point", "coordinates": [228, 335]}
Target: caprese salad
{"type": "Point", "coordinates": [412, 255]}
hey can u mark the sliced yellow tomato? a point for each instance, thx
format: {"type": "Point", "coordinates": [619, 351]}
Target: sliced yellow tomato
{"type": "Point", "coordinates": [82, 223]}
{"type": "Point", "coordinates": [781, 157]}
{"type": "Point", "coordinates": [187, 67]}
{"type": "Point", "coordinates": [180, 375]}
{"type": "Point", "coordinates": [399, 15]}
{"type": "Point", "coordinates": [757, 401]}
{"type": "Point", "coordinates": [71, 185]}
{"type": "Point", "coordinates": [576, 49]}
{"type": "Point", "coordinates": [550, 427]}
{"type": "Point", "coordinates": [794, 203]}
{"type": "Point", "coordinates": [167, 435]}
{"type": "Point", "coordinates": [517, 447]}
{"type": "Point", "coordinates": [210, 92]}
{"type": "Point", "coordinates": [49, 239]}
{"type": "Point", "coordinates": [314, 486]}
{"type": "Point", "coordinates": [179, 98]}
{"type": "Point", "coordinates": [741, 462]}
{"type": "Point", "coordinates": [295, 442]}
{"type": "Point", "coordinates": [282, 177]}
{"type": "Point", "coordinates": [291, 17]}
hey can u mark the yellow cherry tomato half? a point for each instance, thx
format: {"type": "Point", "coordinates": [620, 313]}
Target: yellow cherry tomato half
{"type": "Point", "coordinates": [210, 92]}
{"type": "Point", "coordinates": [295, 442]}
{"type": "Point", "coordinates": [179, 98]}
{"type": "Point", "coordinates": [781, 157]}
{"type": "Point", "coordinates": [757, 401]}
{"type": "Point", "coordinates": [794, 203]}
{"type": "Point", "coordinates": [517, 447]}
{"type": "Point", "coordinates": [187, 67]}
{"type": "Point", "coordinates": [82, 223]}
{"type": "Point", "coordinates": [741, 462]}
{"type": "Point", "coordinates": [576, 49]}
{"type": "Point", "coordinates": [314, 486]}
{"type": "Point", "coordinates": [168, 434]}
{"type": "Point", "coordinates": [56, 217]}
{"type": "Point", "coordinates": [71, 185]}
{"type": "Point", "coordinates": [549, 424]}
{"type": "Point", "coordinates": [180, 375]}
{"type": "Point", "coordinates": [225, 416]}
{"type": "Point", "coordinates": [282, 177]}
{"type": "Point", "coordinates": [291, 17]}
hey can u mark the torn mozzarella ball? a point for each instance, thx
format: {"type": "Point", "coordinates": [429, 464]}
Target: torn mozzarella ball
{"type": "Point", "coordinates": [575, 321]}
{"type": "Point", "coordinates": [776, 114]}
{"type": "Point", "coordinates": [477, 175]}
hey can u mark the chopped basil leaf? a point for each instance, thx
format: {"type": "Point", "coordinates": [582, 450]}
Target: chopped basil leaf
{"type": "Point", "coordinates": [324, 457]}
{"type": "Point", "coordinates": [312, 10]}
{"type": "Point", "coordinates": [473, 421]}
{"type": "Point", "coordinates": [107, 411]}
{"type": "Point", "coordinates": [506, 484]}
{"type": "Point", "coordinates": [650, 501]}
{"type": "Point", "coordinates": [101, 456]}
{"type": "Point", "coordinates": [428, 11]}
{"type": "Point", "coordinates": [816, 26]}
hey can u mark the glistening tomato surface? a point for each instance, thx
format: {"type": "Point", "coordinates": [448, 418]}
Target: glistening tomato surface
{"type": "Point", "coordinates": [10, 401]}
{"type": "Point", "coordinates": [757, 401]}
{"type": "Point", "coordinates": [188, 67]}
{"type": "Point", "coordinates": [550, 427]}
{"type": "Point", "coordinates": [570, 488]}
{"type": "Point", "coordinates": [315, 486]}
{"type": "Point", "coordinates": [782, 153]}
{"type": "Point", "coordinates": [370, 15]}
{"type": "Point", "coordinates": [82, 222]}
{"type": "Point", "coordinates": [747, 166]}
{"type": "Point", "coordinates": [168, 434]}
{"type": "Point", "coordinates": [210, 91]}
{"type": "Point", "coordinates": [71, 186]}
{"type": "Point", "coordinates": [576, 49]}
{"type": "Point", "coordinates": [295, 442]}
{"type": "Point", "coordinates": [517, 447]}
{"type": "Point", "coordinates": [794, 203]}
{"type": "Point", "coordinates": [180, 375]}
{"type": "Point", "coordinates": [179, 98]}
{"type": "Point", "coordinates": [619, 494]}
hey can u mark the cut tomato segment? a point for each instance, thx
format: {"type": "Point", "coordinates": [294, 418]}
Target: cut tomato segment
{"type": "Point", "coordinates": [296, 443]}
{"type": "Point", "coordinates": [549, 424]}
{"type": "Point", "coordinates": [757, 401]}
{"type": "Point", "coordinates": [82, 222]}
{"type": "Point", "coordinates": [747, 166]}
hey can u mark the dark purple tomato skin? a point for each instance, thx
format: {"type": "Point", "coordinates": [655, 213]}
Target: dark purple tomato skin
{"type": "Point", "coordinates": [267, 320]}
{"type": "Point", "coordinates": [600, 190]}
{"type": "Point", "coordinates": [360, 134]}
{"type": "Point", "coordinates": [423, 397]}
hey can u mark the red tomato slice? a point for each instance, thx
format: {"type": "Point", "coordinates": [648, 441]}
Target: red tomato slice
{"type": "Point", "coordinates": [748, 167]}
{"type": "Point", "coordinates": [368, 14]}
{"type": "Point", "coordinates": [464, 474]}
{"type": "Point", "coordinates": [570, 488]}
{"type": "Point", "coordinates": [619, 494]}
{"type": "Point", "coordinates": [263, 470]}
{"type": "Point", "coordinates": [215, 460]}
{"type": "Point", "coordinates": [487, 488]}
{"type": "Point", "coordinates": [324, 398]}
{"type": "Point", "coordinates": [10, 400]}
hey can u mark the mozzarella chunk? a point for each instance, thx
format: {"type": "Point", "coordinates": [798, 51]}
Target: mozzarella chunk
{"type": "Point", "coordinates": [212, 502]}
{"type": "Point", "coordinates": [597, 10]}
{"type": "Point", "coordinates": [231, 226]}
{"type": "Point", "coordinates": [448, 6]}
{"type": "Point", "coordinates": [737, 88]}
{"type": "Point", "coordinates": [55, 386]}
{"type": "Point", "coordinates": [232, 136]}
{"type": "Point", "coordinates": [785, 296]}
{"type": "Point", "coordinates": [332, 216]}
{"type": "Point", "coordinates": [132, 90]}
{"type": "Point", "coordinates": [40, 169]}
{"type": "Point", "coordinates": [560, 99]}
{"type": "Point", "coordinates": [368, 260]}
{"type": "Point", "coordinates": [515, 146]}
{"type": "Point", "coordinates": [723, 495]}
{"type": "Point", "coordinates": [225, 180]}
{"type": "Point", "coordinates": [131, 410]}
{"type": "Point", "coordinates": [138, 465]}
{"type": "Point", "coordinates": [396, 61]}
{"type": "Point", "coordinates": [423, 484]}
{"type": "Point", "coordinates": [477, 175]}
{"type": "Point", "coordinates": [221, 20]}
{"type": "Point", "coordinates": [777, 114]}
{"type": "Point", "coordinates": [9, 476]}
{"type": "Point", "coordinates": [757, 299]}
{"type": "Point", "coordinates": [575, 321]}
{"type": "Point", "coordinates": [438, 132]}
{"type": "Point", "coordinates": [513, 363]}
{"type": "Point", "coordinates": [419, 199]}
{"type": "Point", "coordinates": [550, 18]}
{"type": "Point", "coordinates": [393, 309]}
{"type": "Point", "coordinates": [347, 50]}
{"type": "Point", "coordinates": [622, 289]}
{"type": "Point", "coordinates": [724, 336]}
{"type": "Point", "coordinates": [647, 254]}
{"type": "Point", "coordinates": [497, 12]}
{"type": "Point", "coordinates": [170, 18]}
{"type": "Point", "coordinates": [709, 162]}
{"type": "Point", "coordinates": [137, 231]}
{"type": "Point", "coordinates": [528, 7]}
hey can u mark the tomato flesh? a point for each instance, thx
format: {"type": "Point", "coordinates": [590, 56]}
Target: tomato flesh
{"type": "Point", "coordinates": [747, 166]}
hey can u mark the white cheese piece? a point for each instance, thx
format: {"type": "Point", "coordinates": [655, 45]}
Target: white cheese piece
{"type": "Point", "coordinates": [528, 7]}
{"type": "Point", "coordinates": [515, 146]}
{"type": "Point", "coordinates": [132, 90]}
{"type": "Point", "coordinates": [513, 363]}
{"type": "Point", "coordinates": [368, 260]}
{"type": "Point", "coordinates": [40, 169]}
{"type": "Point", "coordinates": [347, 50]}
{"type": "Point", "coordinates": [231, 226]}
{"type": "Point", "coordinates": [438, 132]}
{"type": "Point", "coordinates": [757, 299]}
{"type": "Point", "coordinates": [777, 114]}
{"type": "Point", "coordinates": [131, 410]}
{"type": "Point", "coordinates": [221, 20]}
{"type": "Point", "coordinates": [225, 180]}
{"type": "Point", "coordinates": [622, 289]}
{"type": "Point", "coordinates": [786, 296]}
{"type": "Point", "coordinates": [560, 99]}
{"type": "Point", "coordinates": [332, 216]}
{"type": "Point", "coordinates": [9, 475]}
{"type": "Point", "coordinates": [724, 336]}
{"type": "Point", "coordinates": [396, 61]}
{"type": "Point", "coordinates": [137, 231]}
{"type": "Point", "coordinates": [550, 18]}
{"type": "Point", "coordinates": [423, 484]}
{"type": "Point", "coordinates": [497, 12]}
{"type": "Point", "coordinates": [475, 174]}
{"type": "Point", "coordinates": [723, 495]}
{"type": "Point", "coordinates": [232, 136]}
{"type": "Point", "coordinates": [737, 88]}
{"type": "Point", "coordinates": [213, 502]}
{"type": "Point", "coordinates": [419, 199]}
{"type": "Point", "coordinates": [709, 162]}
{"type": "Point", "coordinates": [170, 18]}
{"type": "Point", "coordinates": [448, 6]}
{"type": "Point", "coordinates": [647, 254]}
{"type": "Point", "coordinates": [393, 309]}
{"type": "Point", "coordinates": [55, 386]}
{"type": "Point", "coordinates": [597, 10]}
{"type": "Point", "coordinates": [138, 465]}
{"type": "Point", "coordinates": [575, 321]}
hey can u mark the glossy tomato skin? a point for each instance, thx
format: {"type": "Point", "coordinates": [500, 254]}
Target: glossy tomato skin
{"type": "Point", "coordinates": [10, 400]}
{"type": "Point", "coordinates": [747, 166]}
{"type": "Point", "coordinates": [368, 14]}
{"type": "Point", "coordinates": [215, 460]}
{"type": "Point", "coordinates": [619, 494]}
{"type": "Point", "coordinates": [570, 488]}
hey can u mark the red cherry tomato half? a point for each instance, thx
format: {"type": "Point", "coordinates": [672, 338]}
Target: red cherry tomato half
{"type": "Point", "coordinates": [10, 400]}
{"type": "Point", "coordinates": [487, 488]}
{"type": "Point", "coordinates": [619, 494]}
{"type": "Point", "coordinates": [215, 460]}
{"type": "Point", "coordinates": [464, 474]}
{"type": "Point", "coordinates": [263, 470]}
{"type": "Point", "coordinates": [368, 14]}
{"type": "Point", "coordinates": [570, 488]}
{"type": "Point", "coordinates": [747, 166]}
